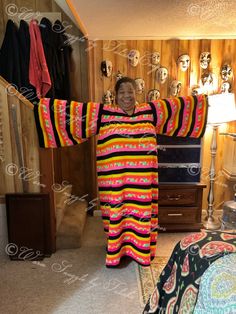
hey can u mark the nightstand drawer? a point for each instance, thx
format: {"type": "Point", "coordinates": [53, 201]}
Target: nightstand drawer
{"type": "Point", "coordinates": [177, 197]}
{"type": "Point", "coordinates": [177, 215]}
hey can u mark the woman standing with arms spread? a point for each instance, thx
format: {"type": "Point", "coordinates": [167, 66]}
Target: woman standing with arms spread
{"type": "Point", "coordinates": [126, 157]}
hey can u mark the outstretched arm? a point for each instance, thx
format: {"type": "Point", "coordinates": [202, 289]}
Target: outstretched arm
{"type": "Point", "coordinates": [181, 116]}
{"type": "Point", "coordinates": [65, 124]}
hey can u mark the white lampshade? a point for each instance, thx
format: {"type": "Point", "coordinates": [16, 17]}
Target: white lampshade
{"type": "Point", "coordinates": [221, 108]}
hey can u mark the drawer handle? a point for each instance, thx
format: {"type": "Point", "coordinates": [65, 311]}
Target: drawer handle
{"type": "Point", "coordinates": [173, 198]}
{"type": "Point", "coordinates": [175, 214]}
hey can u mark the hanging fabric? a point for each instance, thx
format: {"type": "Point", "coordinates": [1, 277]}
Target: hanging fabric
{"type": "Point", "coordinates": [9, 55]}
{"type": "Point", "coordinates": [48, 42]}
{"type": "Point", "coordinates": [26, 89]}
{"type": "Point", "coordinates": [38, 70]}
{"type": "Point", "coordinates": [64, 51]}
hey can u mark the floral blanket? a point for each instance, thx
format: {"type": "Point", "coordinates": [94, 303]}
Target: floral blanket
{"type": "Point", "coordinates": [178, 285]}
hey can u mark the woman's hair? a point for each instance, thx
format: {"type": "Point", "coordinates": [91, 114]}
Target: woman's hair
{"type": "Point", "coordinates": [124, 80]}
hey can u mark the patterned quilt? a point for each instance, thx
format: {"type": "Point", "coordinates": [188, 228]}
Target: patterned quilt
{"type": "Point", "coordinates": [178, 285]}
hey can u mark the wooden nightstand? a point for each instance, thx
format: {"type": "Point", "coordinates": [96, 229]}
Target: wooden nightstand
{"type": "Point", "coordinates": [180, 207]}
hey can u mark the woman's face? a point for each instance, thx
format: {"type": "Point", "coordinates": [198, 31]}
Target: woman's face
{"type": "Point", "coordinates": [125, 97]}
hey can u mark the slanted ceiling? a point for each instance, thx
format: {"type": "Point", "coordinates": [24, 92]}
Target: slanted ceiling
{"type": "Point", "coordinates": [153, 19]}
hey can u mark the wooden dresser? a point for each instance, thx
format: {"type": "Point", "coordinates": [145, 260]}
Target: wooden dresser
{"type": "Point", "coordinates": [180, 207]}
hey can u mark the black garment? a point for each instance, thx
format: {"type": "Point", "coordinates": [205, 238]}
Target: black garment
{"type": "Point", "coordinates": [58, 54]}
{"type": "Point", "coordinates": [26, 88]}
{"type": "Point", "coordinates": [49, 46]}
{"type": "Point", "coordinates": [10, 68]}
{"type": "Point", "coordinates": [64, 50]}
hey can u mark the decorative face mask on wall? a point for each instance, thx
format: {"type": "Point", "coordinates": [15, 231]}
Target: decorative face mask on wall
{"type": "Point", "coordinates": [183, 62]}
{"type": "Point", "coordinates": [205, 59]}
{"type": "Point", "coordinates": [119, 75]}
{"type": "Point", "coordinates": [155, 58]}
{"type": "Point", "coordinates": [153, 94]}
{"type": "Point", "coordinates": [225, 87]}
{"type": "Point", "coordinates": [226, 72]}
{"type": "Point", "coordinates": [140, 85]}
{"type": "Point", "coordinates": [207, 78]}
{"type": "Point", "coordinates": [108, 97]}
{"type": "Point", "coordinates": [175, 88]}
{"type": "Point", "coordinates": [106, 68]}
{"type": "Point", "coordinates": [162, 75]}
{"type": "Point", "coordinates": [133, 57]}
{"type": "Point", "coordinates": [195, 90]}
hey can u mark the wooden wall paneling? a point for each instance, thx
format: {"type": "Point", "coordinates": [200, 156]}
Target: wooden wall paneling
{"type": "Point", "coordinates": [205, 45]}
{"type": "Point", "coordinates": [98, 79]}
{"type": "Point", "coordinates": [91, 69]}
{"type": "Point", "coordinates": [7, 181]}
{"type": "Point", "coordinates": [220, 179]}
{"type": "Point", "coordinates": [26, 6]}
{"type": "Point", "coordinates": [46, 160]}
{"type": "Point", "coordinates": [165, 62]}
{"type": "Point", "coordinates": [2, 22]}
{"type": "Point", "coordinates": [194, 52]}
{"type": "Point", "coordinates": [43, 5]}
{"type": "Point", "coordinates": [130, 45]}
{"type": "Point", "coordinates": [217, 52]}
{"type": "Point", "coordinates": [7, 10]}
{"type": "Point", "coordinates": [14, 105]}
{"type": "Point", "coordinates": [107, 82]}
{"type": "Point", "coordinates": [172, 66]}
{"type": "Point", "coordinates": [147, 67]}
{"type": "Point", "coordinates": [233, 64]}
{"type": "Point", "coordinates": [142, 68]}
{"type": "Point", "coordinates": [76, 79]}
{"type": "Point", "coordinates": [156, 46]}
{"type": "Point", "coordinates": [120, 62]}
{"type": "Point", "coordinates": [184, 76]}
{"type": "Point", "coordinates": [228, 50]}
{"type": "Point", "coordinates": [84, 70]}
{"type": "Point", "coordinates": [30, 148]}
{"type": "Point", "coordinates": [216, 49]}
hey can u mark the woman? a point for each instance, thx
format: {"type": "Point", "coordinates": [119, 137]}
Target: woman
{"type": "Point", "coordinates": [126, 157]}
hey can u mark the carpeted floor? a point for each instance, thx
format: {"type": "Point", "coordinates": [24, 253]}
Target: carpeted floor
{"type": "Point", "coordinates": [74, 281]}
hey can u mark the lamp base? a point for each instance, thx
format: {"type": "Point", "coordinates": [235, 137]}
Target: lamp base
{"type": "Point", "coordinates": [210, 223]}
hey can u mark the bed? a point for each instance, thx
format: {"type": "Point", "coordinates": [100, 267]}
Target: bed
{"type": "Point", "coordinates": [200, 276]}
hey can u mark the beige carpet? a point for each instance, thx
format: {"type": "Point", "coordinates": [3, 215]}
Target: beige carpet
{"type": "Point", "coordinates": [147, 278]}
{"type": "Point", "coordinates": [74, 281]}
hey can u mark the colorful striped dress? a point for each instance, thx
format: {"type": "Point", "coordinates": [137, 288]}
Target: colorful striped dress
{"type": "Point", "coordinates": [127, 165]}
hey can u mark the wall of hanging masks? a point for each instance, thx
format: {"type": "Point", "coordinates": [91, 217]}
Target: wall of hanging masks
{"type": "Point", "coordinates": [164, 68]}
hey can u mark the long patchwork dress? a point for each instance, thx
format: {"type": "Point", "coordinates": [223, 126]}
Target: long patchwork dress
{"type": "Point", "coordinates": [127, 165]}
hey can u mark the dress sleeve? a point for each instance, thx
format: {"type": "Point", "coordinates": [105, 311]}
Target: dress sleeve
{"type": "Point", "coordinates": [181, 116]}
{"type": "Point", "coordinates": [60, 123]}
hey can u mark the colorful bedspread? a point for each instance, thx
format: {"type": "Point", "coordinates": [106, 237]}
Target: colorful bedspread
{"type": "Point", "coordinates": [177, 288]}
{"type": "Point", "coordinates": [217, 291]}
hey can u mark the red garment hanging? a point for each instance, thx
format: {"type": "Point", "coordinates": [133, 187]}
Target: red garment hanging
{"type": "Point", "coordinates": [38, 71]}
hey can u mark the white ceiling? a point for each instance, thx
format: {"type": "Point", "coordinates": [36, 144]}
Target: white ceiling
{"type": "Point", "coordinates": [153, 19]}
